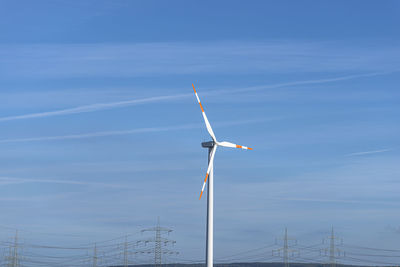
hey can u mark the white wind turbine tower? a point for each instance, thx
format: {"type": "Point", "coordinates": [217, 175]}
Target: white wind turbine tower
{"type": "Point", "coordinates": [212, 147]}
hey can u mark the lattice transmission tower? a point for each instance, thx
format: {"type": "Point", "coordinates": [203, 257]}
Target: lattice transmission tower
{"type": "Point", "coordinates": [286, 248]}
{"type": "Point", "coordinates": [160, 243]}
{"type": "Point", "coordinates": [334, 252]}
{"type": "Point", "coordinates": [95, 258]}
{"type": "Point", "coordinates": [13, 256]}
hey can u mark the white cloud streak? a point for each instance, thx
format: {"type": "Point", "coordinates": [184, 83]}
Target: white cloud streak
{"type": "Point", "coordinates": [368, 152]}
{"type": "Point", "coordinates": [327, 200]}
{"type": "Point", "coordinates": [317, 81]}
{"type": "Point", "coordinates": [94, 107]}
{"type": "Point", "coordinates": [149, 100]}
{"type": "Point", "coordinates": [13, 180]}
{"type": "Point", "coordinates": [99, 134]}
{"type": "Point", "coordinates": [168, 58]}
{"type": "Point", "coordinates": [131, 131]}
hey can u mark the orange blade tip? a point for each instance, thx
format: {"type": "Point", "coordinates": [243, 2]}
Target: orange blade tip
{"type": "Point", "coordinates": [249, 148]}
{"type": "Point", "coordinates": [201, 195]}
{"type": "Point", "coordinates": [193, 88]}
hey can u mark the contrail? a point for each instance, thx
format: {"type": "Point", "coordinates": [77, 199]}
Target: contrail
{"type": "Point", "coordinates": [318, 81]}
{"type": "Point", "coordinates": [351, 201]}
{"type": "Point", "coordinates": [112, 105]}
{"type": "Point", "coordinates": [131, 131]}
{"type": "Point", "coordinates": [97, 134]}
{"type": "Point", "coordinates": [94, 107]}
{"type": "Point", "coordinates": [368, 152]}
{"type": "Point", "coordinates": [12, 180]}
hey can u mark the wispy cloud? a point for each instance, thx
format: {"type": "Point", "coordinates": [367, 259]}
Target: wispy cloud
{"type": "Point", "coordinates": [314, 81]}
{"type": "Point", "coordinates": [13, 180]}
{"type": "Point", "coordinates": [99, 134]}
{"type": "Point", "coordinates": [167, 58]}
{"type": "Point", "coordinates": [368, 152]}
{"type": "Point", "coordinates": [148, 100]}
{"type": "Point", "coordinates": [131, 131]}
{"type": "Point", "coordinates": [94, 107]}
{"type": "Point", "coordinates": [327, 200]}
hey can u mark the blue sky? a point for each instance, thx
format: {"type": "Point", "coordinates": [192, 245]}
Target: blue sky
{"type": "Point", "coordinates": [100, 131]}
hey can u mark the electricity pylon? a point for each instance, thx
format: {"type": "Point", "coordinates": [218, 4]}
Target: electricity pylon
{"type": "Point", "coordinates": [13, 257]}
{"type": "Point", "coordinates": [126, 252]}
{"type": "Point", "coordinates": [286, 249]}
{"type": "Point", "coordinates": [332, 249]}
{"type": "Point", "coordinates": [159, 243]}
{"type": "Point", "coordinates": [95, 256]}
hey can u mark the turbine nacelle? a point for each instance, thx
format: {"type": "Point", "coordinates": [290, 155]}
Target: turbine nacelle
{"type": "Point", "coordinates": [209, 144]}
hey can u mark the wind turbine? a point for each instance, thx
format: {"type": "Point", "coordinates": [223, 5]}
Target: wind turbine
{"type": "Point", "coordinates": [212, 147]}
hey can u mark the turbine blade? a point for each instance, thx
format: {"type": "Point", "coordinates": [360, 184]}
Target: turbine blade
{"type": "Point", "coordinates": [229, 144]}
{"type": "Point", "coordinates": [209, 129]}
{"type": "Point", "coordinates": [210, 166]}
